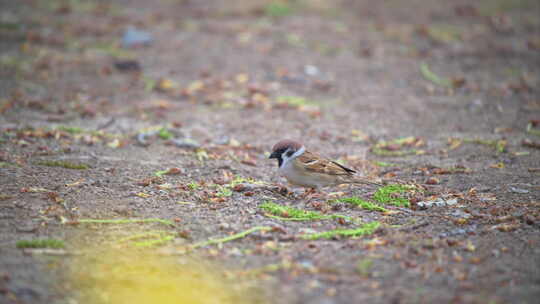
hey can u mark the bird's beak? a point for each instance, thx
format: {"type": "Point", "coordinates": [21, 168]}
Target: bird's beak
{"type": "Point", "coordinates": [274, 155]}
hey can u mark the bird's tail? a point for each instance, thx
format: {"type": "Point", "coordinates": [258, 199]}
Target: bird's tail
{"type": "Point", "coordinates": [360, 180]}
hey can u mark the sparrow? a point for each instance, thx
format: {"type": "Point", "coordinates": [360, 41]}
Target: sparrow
{"type": "Point", "coordinates": [304, 168]}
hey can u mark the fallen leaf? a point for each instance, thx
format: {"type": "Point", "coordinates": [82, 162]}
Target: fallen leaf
{"type": "Point", "coordinates": [143, 195]}
{"type": "Point", "coordinates": [499, 165]}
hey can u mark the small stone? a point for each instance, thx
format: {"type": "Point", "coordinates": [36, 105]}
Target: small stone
{"type": "Point", "coordinates": [134, 37]}
{"type": "Point", "coordinates": [311, 70]}
{"type": "Point", "coordinates": [433, 181]}
{"type": "Point", "coordinates": [186, 143]}
{"type": "Point", "coordinates": [519, 190]}
{"type": "Point", "coordinates": [451, 202]}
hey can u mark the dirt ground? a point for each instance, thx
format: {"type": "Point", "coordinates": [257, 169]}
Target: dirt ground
{"type": "Point", "coordinates": [179, 127]}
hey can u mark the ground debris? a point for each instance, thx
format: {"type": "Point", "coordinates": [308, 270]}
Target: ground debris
{"type": "Point", "coordinates": [530, 144]}
{"type": "Point", "coordinates": [394, 147]}
{"type": "Point", "coordinates": [439, 202]}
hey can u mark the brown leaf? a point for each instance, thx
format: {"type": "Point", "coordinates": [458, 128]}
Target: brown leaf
{"type": "Point", "coordinates": [249, 162]}
{"type": "Point", "coordinates": [433, 181]}
{"type": "Point", "coordinates": [531, 144]}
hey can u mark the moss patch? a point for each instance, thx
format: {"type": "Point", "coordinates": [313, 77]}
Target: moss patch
{"type": "Point", "coordinates": [365, 229]}
{"type": "Point", "coordinates": [294, 214]}
{"type": "Point", "coordinates": [390, 195]}
{"type": "Point", "coordinates": [43, 243]}
{"type": "Point", "coordinates": [362, 204]}
{"type": "Point", "coordinates": [278, 9]}
{"type": "Point", "coordinates": [71, 130]}
{"type": "Point", "coordinates": [63, 164]}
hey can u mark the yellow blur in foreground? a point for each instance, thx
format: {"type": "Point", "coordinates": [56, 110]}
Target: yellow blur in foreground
{"type": "Point", "coordinates": [137, 277]}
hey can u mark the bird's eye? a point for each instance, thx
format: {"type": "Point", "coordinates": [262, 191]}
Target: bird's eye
{"type": "Point", "coordinates": [290, 153]}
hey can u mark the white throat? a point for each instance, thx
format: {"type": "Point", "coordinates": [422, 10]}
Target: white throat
{"type": "Point", "coordinates": [287, 159]}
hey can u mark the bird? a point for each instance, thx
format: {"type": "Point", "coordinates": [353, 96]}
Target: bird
{"type": "Point", "coordinates": [309, 170]}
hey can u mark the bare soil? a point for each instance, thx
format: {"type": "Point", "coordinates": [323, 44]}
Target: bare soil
{"type": "Point", "coordinates": [236, 77]}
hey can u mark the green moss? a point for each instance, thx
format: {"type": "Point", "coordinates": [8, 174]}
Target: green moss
{"type": "Point", "coordinates": [63, 164]}
{"type": "Point", "coordinates": [193, 186]}
{"type": "Point", "coordinates": [71, 130]}
{"type": "Point", "coordinates": [43, 243]}
{"type": "Point", "coordinates": [294, 214]}
{"type": "Point", "coordinates": [240, 180]}
{"type": "Point", "coordinates": [365, 229]}
{"type": "Point", "coordinates": [164, 133]}
{"type": "Point", "coordinates": [362, 204]}
{"type": "Point", "coordinates": [278, 9]}
{"type": "Point", "coordinates": [385, 164]}
{"type": "Point", "coordinates": [224, 191]}
{"type": "Point", "coordinates": [295, 101]}
{"type": "Point", "coordinates": [390, 195]}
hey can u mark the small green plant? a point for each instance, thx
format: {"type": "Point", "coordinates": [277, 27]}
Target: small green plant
{"type": "Point", "coordinates": [193, 186]}
{"type": "Point", "coordinates": [390, 194]}
{"type": "Point", "coordinates": [240, 180]}
{"type": "Point", "coordinates": [277, 9]}
{"type": "Point", "coordinates": [224, 191]}
{"type": "Point", "coordinates": [63, 164]}
{"type": "Point", "coordinates": [42, 243]}
{"type": "Point", "coordinates": [385, 164]}
{"type": "Point", "coordinates": [362, 204]}
{"type": "Point", "coordinates": [365, 229]}
{"type": "Point", "coordinates": [164, 133]}
{"type": "Point", "coordinates": [294, 214]}
{"type": "Point", "coordinates": [294, 101]}
{"type": "Point", "coordinates": [71, 130]}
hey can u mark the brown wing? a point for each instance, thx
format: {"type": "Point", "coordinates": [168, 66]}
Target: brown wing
{"type": "Point", "coordinates": [315, 163]}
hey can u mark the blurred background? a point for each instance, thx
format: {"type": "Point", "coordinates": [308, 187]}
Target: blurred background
{"type": "Point", "coordinates": [158, 109]}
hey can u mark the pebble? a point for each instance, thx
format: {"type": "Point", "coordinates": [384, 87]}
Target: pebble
{"type": "Point", "coordinates": [438, 203]}
{"type": "Point", "coordinates": [134, 37]}
{"type": "Point", "coordinates": [311, 70]}
{"type": "Point", "coordinates": [186, 143]}
{"type": "Point", "coordinates": [519, 190]}
{"type": "Point", "coordinates": [458, 231]}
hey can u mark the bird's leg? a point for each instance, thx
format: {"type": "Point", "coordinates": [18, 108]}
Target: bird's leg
{"type": "Point", "coordinates": [313, 193]}
{"type": "Point", "coordinates": [308, 192]}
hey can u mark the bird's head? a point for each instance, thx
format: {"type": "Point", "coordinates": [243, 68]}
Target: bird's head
{"type": "Point", "coordinates": [286, 150]}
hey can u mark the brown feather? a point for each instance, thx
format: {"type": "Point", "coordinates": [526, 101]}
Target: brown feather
{"type": "Point", "coordinates": [317, 164]}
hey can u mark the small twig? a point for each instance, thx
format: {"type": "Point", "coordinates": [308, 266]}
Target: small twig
{"type": "Point", "coordinates": [230, 238]}
{"type": "Point", "coordinates": [107, 124]}
{"type": "Point", "coordinates": [429, 75]}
